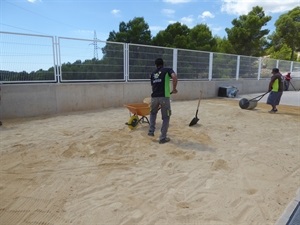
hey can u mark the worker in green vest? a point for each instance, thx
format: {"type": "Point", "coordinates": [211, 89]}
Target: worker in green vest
{"type": "Point", "coordinates": [276, 90]}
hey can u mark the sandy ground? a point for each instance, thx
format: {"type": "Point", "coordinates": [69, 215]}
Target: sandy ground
{"type": "Point", "coordinates": [234, 167]}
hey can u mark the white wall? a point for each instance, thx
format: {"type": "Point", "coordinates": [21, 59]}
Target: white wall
{"type": "Point", "coordinates": [27, 100]}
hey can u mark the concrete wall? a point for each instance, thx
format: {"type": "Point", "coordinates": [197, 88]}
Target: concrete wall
{"type": "Point", "coordinates": [27, 100]}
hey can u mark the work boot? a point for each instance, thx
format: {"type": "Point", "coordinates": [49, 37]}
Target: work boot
{"type": "Point", "coordinates": [151, 134]}
{"type": "Point", "coordinates": [165, 140]}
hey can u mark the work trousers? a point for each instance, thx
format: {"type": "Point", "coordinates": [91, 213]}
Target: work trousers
{"type": "Point", "coordinates": [163, 104]}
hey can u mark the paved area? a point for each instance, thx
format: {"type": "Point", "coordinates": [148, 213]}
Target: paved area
{"type": "Point", "coordinates": [291, 215]}
{"type": "Point", "coordinates": [288, 97]}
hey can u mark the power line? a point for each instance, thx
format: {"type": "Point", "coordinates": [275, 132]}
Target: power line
{"type": "Point", "coordinates": [40, 15]}
{"type": "Point", "coordinates": [53, 20]}
{"type": "Point", "coordinates": [22, 28]}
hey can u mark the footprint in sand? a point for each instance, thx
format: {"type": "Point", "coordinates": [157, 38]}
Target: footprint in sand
{"type": "Point", "coordinates": [220, 164]}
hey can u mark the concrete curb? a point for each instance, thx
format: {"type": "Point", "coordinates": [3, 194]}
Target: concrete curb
{"type": "Point", "coordinates": [290, 213]}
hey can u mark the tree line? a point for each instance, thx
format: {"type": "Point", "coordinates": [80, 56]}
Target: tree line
{"type": "Point", "coordinates": [245, 37]}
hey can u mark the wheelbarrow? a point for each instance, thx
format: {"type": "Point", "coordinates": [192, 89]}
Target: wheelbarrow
{"type": "Point", "coordinates": [138, 114]}
{"type": "Point", "coordinates": [251, 103]}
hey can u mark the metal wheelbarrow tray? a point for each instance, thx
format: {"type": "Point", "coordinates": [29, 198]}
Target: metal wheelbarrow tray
{"type": "Point", "coordinates": [136, 110]}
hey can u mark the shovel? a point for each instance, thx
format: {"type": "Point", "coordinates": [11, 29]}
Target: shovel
{"type": "Point", "coordinates": [196, 119]}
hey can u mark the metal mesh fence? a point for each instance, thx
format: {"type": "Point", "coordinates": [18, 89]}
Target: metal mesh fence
{"type": "Point", "coordinates": [248, 67]}
{"type": "Point", "coordinates": [38, 58]}
{"type": "Point", "coordinates": [80, 60]}
{"type": "Point", "coordinates": [26, 58]}
{"type": "Point", "coordinates": [296, 69]}
{"type": "Point", "coordinates": [141, 60]}
{"type": "Point", "coordinates": [285, 66]}
{"type": "Point", "coordinates": [193, 64]}
{"type": "Point", "coordinates": [267, 66]}
{"type": "Point", "coordinates": [224, 66]}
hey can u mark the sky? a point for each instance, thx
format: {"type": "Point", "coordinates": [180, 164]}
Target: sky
{"type": "Point", "coordinates": [85, 18]}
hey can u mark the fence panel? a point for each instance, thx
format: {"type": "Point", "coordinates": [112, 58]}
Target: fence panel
{"type": "Point", "coordinates": [224, 66]}
{"type": "Point", "coordinates": [142, 58]}
{"type": "Point", "coordinates": [248, 67]}
{"type": "Point", "coordinates": [193, 64]}
{"type": "Point", "coordinates": [26, 58]}
{"type": "Point", "coordinates": [79, 60]}
{"type": "Point", "coordinates": [284, 66]}
{"type": "Point", "coordinates": [267, 66]}
{"type": "Point", "coordinates": [296, 70]}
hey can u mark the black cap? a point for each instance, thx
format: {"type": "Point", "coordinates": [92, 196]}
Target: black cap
{"type": "Point", "coordinates": [275, 70]}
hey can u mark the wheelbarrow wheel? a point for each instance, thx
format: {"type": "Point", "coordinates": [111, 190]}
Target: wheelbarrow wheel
{"type": "Point", "coordinates": [133, 122]}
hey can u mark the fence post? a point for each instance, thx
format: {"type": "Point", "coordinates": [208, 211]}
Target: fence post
{"type": "Point", "coordinates": [126, 61]}
{"type": "Point", "coordinates": [57, 62]}
{"type": "Point", "coordinates": [238, 67]}
{"type": "Point", "coordinates": [175, 56]}
{"type": "Point", "coordinates": [210, 70]}
{"type": "Point", "coordinates": [259, 68]}
{"type": "Point", "coordinates": [291, 67]}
